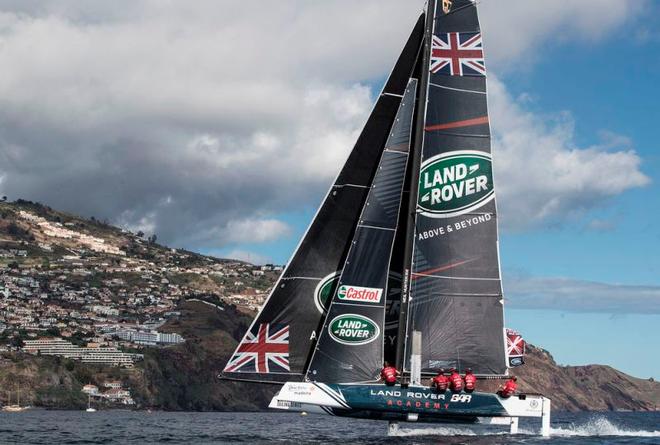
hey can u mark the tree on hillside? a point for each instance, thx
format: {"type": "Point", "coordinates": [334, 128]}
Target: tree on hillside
{"type": "Point", "coordinates": [16, 341]}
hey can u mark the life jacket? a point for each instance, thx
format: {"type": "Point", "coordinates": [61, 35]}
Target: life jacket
{"type": "Point", "coordinates": [389, 374]}
{"type": "Point", "coordinates": [456, 382]}
{"type": "Point", "coordinates": [440, 382]}
{"type": "Point", "coordinates": [509, 388]}
{"type": "Point", "coordinates": [470, 382]}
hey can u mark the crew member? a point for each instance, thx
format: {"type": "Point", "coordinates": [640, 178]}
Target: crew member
{"type": "Point", "coordinates": [389, 374]}
{"type": "Point", "coordinates": [455, 381]}
{"type": "Point", "coordinates": [509, 388]}
{"type": "Point", "coordinates": [440, 382]}
{"type": "Point", "coordinates": [470, 381]}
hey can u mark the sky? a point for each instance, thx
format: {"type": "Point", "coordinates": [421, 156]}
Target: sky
{"type": "Point", "coordinates": [219, 125]}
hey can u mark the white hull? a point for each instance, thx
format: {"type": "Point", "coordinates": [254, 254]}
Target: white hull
{"type": "Point", "coordinates": [319, 398]}
{"type": "Point", "coordinates": [15, 408]}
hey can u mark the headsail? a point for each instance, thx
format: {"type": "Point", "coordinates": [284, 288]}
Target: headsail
{"type": "Point", "coordinates": [351, 345]}
{"type": "Point", "coordinates": [455, 295]}
{"type": "Point", "coordinates": [278, 344]}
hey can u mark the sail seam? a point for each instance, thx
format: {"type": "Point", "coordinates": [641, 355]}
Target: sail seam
{"type": "Point", "coordinates": [456, 89]}
{"type": "Point", "coordinates": [352, 185]}
{"type": "Point", "coordinates": [301, 278]}
{"type": "Point", "coordinates": [419, 300]}
{"type": "Point", "coordinates": [375, 227]}
{"type": "Point", "coordinates": [393, 95]}
{"type": "Point", "coordinates": [454, 278]}
{"type": "Point", "coordinates": [464, 135]}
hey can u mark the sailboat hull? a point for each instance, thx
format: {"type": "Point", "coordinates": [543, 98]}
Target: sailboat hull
{"type": "Point", "coordinates": [395, 403]}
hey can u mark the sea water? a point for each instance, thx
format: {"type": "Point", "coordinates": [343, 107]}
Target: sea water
{"type": "Point", "coordinates": [140, 427]}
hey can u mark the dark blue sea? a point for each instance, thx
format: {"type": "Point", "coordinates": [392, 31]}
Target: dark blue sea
{"type": "Point", "coordinates": [139, 427]}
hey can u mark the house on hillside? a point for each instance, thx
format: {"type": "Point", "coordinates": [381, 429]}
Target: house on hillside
{"type": "Point", "coordinates": [90, 389]}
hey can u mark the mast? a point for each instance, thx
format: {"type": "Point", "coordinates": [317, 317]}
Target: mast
{"type": "Point", "coordinates": [415, 155]}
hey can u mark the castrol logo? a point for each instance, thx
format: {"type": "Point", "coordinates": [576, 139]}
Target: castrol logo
{"type": "Point", "coordinates": [361, 294]}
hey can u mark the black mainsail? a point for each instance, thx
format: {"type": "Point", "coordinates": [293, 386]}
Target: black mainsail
{"type": "Point", "coordinates": [455, 294]}
{"type": "Point", "coordinates": [278, 345]}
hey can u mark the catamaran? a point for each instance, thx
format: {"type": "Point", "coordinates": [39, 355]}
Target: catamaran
{"type": "Point", "coordinates": [401, 261]}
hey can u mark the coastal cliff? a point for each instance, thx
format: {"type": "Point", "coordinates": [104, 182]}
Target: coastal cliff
{"type": "Point", "coordinates": [586, 388]}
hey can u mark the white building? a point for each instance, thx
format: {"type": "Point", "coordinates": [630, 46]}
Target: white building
{"type": "Point", "coordinates": [90, 389]}
{"type": "Point", "coordinates": [63, 348]}
{"type": "Point", "coordinates": [148, 338]}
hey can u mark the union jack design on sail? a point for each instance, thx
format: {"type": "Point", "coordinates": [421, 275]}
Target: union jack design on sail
{"type": "Point", "coordinates": [458, 54]}
{"type": "Point", "coordinates": [263, 350]}
{"type": "Point", "coordinates": [515, 348]}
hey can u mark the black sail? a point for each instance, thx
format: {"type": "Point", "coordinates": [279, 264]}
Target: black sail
{"type": "Point", "coordinates": [278, 345]}
{"type": "Point", "coordinates": [455, 297]}
{"type": "Point", "coordinates": [351, 345]}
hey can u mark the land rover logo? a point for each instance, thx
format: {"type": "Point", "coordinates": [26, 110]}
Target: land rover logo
{"type": "Point", "coordinates": [324, 291]}
{"type": "Point", "coordinates": [353, 329]}
{"type": "Point", "coordinates": [455, 183]}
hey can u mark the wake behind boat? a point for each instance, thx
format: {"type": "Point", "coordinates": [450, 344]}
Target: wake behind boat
{"type": "Point", "coordinates": [401, 261]}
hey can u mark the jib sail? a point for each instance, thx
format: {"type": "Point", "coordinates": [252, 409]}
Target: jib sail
{"type": "Point", "coordinates": [455, 295]}
{"type": "Point", "coordinates": [278, 344]}
{"type": "Point", "coordinates": [351, 345]}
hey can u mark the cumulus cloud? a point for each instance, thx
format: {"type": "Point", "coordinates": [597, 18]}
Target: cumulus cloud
{"type": "Point", "coordinates": [542, 175]}
{"type": "Point", "coordinates": [572, 295]}
{"type": "Point", "coordinates": [523, 28]}
{"type": "Point", "coordinates": [198, 120]}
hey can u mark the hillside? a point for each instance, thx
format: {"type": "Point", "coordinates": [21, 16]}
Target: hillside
{"type": "Point", "coordinates": [590, 387]}
{"type": "Point", "coordinates": [98, 286]}
{"type": "Point", "coordinates": [181, 377]}
{"type": "Point", "coordinates": [105, 289]}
